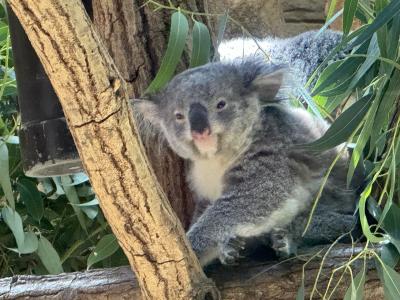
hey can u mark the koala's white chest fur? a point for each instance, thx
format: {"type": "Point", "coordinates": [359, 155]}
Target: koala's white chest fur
{"type": "Point", "coordinates": [207, 177]}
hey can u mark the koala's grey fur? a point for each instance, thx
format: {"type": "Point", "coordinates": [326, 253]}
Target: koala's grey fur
{"type": "Point", "coordinates": [253, 180]}
{"type": "Point", "coordinates": [303, 53]}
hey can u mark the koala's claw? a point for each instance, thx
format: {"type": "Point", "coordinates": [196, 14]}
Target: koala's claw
{"type": "Point", "coordinates": [230, 251]}
{"type": "Point", "coordinates": [283, 244]}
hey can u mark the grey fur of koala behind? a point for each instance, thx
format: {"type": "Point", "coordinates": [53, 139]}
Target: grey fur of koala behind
{"type": "Point", "coordinates": [258, 181]}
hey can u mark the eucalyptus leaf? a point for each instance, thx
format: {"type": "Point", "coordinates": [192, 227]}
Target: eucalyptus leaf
{"type": "Point", "coordinates": [391, 281]}
{"type": "Point", "coordinates": [176, 44]}
{"type": "Point", "coordinates": [106, 247]}
{"type": "Point", "coordinates": [30, 243]}
{"type": "Point", "coordinates": [300, 292]}
{"type": "Point", "coordinates": [49, 256]}
{"type": "Point", "coordinates": [76, 179]}
{"type": "Point", "coordinates": [389, 255]}
{"type": "Point", "coordinates": [356, 289]}
{"type": "Point", "coordinates": [31, 197]}
{"type": "Point", "coordinates": [14, 222]}
{"type": "Point", "coordinates": [5, 180]}
{"type": "Point", "coordinates": [94, 202]}
{"type": "Point", "coordinates": [72, 196]}
{"type": "Point", "coordinates": [349, 10]}
{"type": "Point", "coordinates": [391, 10]}
{"type": "Point", "coordinates": [343, 127]}
{"type": "Point", "coordinates": [201, 45]}
{"type": "Point", "coordinates": [393, 39]}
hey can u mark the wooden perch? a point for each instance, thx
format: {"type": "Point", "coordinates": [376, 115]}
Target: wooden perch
{"type": "Point", "coordinates": [251, 280]}
{"type": "Point", "coordinates": [94, 98]}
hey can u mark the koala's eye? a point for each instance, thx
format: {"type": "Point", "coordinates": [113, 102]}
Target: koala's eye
{"type": "Point", "coordinates": [221, 104]}
{"type": "Point", "coordinates": [179, 116]}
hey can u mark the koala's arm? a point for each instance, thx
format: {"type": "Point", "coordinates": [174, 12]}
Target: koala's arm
{"type": "Point", "coordinates": [255, 201]}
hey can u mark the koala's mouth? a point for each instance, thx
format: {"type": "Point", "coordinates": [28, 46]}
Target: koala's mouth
{"type": "Point", "coordinates": [207, 146]}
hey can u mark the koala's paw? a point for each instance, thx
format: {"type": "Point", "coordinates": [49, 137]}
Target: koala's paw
{"type": "Point", "coordinates": [229, 250]}
{"type": "Point", "coordinates": [283, 244]}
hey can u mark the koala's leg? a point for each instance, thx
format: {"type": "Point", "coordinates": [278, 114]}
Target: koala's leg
{"type": "Point", "coordinates": [220, 231]}
{"type": "Point", "coordinates": [326, 227]}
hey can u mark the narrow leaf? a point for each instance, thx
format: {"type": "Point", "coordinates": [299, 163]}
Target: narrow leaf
{"type": "Point", "coordinates": [343, 127]}
{"type": "Point", "coordinates": [14, 222]}
{"type": "Point", "coordinates": [349, 10]}
{"type": "Point", "coordinates": [30, 243]}
{"type": "Point", "coordinates": [391, 282]}
{"type": "Point", "coordinates": [104, 248]}
{"type": "Point", "coordinates": [384, 17]}
{"type": "Point", "coordinates": [201, 45]}
{"type": "Point", "coordinates": [176, 44]}
{"type": "Point", "coordinates": [49, 256]}
{"type": "Point", "coordinates": [5, 180]}
{"type": "Point", "coordinates": [31, 197]}
{"type": "Point", "coordinates": [73, 199]}
{"type": "Point", "coordinates": [356, 289]}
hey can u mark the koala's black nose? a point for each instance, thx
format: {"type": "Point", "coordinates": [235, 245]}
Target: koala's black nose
{"type": "Point", "coordinates": [198, 119]}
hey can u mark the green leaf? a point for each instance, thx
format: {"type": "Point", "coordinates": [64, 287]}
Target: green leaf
{"type": "Point", "coordinates": [76, 179]}
{"type": "Point", "coordinates": [362, 140]}
{"type": "Point", "coordinates": [201, 45]}
{"type": "Point", "coordinates": [384, 17]}
{"type": "Point", "coordinates": [176, 44]}
{"type": "Point", "coordinates": [49, 256]}
{"type": "Point", "coordinates": [31, 197]}
{"type": "Point", "coordinates": [300, 292]}
{"type": "Point", "coordinates": [72, 196]}
{"type": "Point", "coordinates": [30, 244]}
{"type": "Point", "coordinates": [91, 211]}
{"type": "Point", "coordinates": [356, 289]}
{"type": "Point", "coordinates": [93, 202]}
{"type": "Point", "coordinates": [5, 180]}
{"type": "Point", "coordinates": [104, 248]}
{"type": "Point", "coordinates": [382, 32]}
{"type": "Point", "coordinates": [349, 10]}
{"type": "Point", "coordinates": [393, 38]}
{"type": "Point", "coordinates": [343, 127]}
{"type": "Point", "coordinates": [91, 208]}
{"type": "Point", "coordinates": [14, 222]}
{"type": "Point", "coordinates": [391, 281]}
{"type": "Point", "coordinates": [337, 73]}
{"type": "Point", "coordinates": [389, 255]}
{"type": "Point", "coordinates": [331, 10]}
{"type": "Point", "coordinates": [390, 221]}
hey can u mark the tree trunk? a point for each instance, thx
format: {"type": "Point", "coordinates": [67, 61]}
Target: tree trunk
{"type": "Point", "coordinates": [253, 280]}
{"type": "Point", "coordinates": [94, 98]}
{"type": "Point", "coordinates": [136, 39]}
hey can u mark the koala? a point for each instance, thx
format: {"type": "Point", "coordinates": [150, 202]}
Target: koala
{"type": "Point", "coordinates": [303, 52]}
{"type": "Point", "coordinates": [250, 175]}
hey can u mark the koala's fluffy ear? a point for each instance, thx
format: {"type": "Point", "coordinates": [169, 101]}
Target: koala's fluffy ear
{"type": "Point", "coordinates": [267, 85]}
{"type": "Point", "coordinates": [147, 110]}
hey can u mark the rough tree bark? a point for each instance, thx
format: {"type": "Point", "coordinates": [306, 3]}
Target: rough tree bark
{"type": "Point", "coordinates": [95, 102]}
{"type": "Point", "coordinates": [266, 280]}
{"type": "Point", "coordinates": [136, 39]}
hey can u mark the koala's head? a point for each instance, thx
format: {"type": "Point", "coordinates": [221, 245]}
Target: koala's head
{"type": "Point", "coordinates": [211, 109]}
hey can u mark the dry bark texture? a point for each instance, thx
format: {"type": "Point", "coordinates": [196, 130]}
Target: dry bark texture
{"type": "Point", "coordinates": [250, 281]}
{"type": "Point", "coordinates": [95, 102]}
{"type": "Point", "coordinates": [136, 39]}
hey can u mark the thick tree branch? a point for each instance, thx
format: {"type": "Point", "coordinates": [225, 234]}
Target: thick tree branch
{"type": "Point", "coordinates": [253, 280]}
{"type": "Point", "coordinates": [94, 99]}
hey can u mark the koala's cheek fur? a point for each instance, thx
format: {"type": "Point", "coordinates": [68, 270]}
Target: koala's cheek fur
{"type": "Point", "coordinates": [179, 140]}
